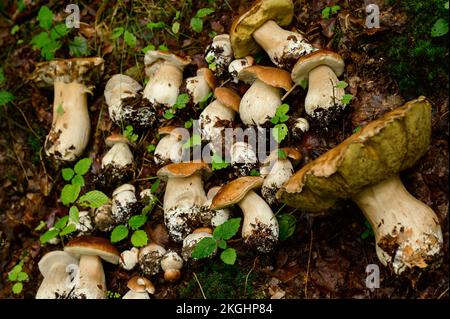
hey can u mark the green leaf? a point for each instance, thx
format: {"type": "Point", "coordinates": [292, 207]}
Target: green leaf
{"type": "Point", "coordinates": [40, 40]}
{"type": "Point", "coordinates": [22, 276]}
{"type": "Point", "coordinates": [188, 123]}
{"type": "Point", "coordinates": [182, 100]}
{"type": "Point", "coordinates": [176, 27]}
{"type": "Point", "coordinates": [117, 32]}
{"type": "Point", "coordinates": [228, 229]}
{"type": "Point", "coordinates": [6, 97]}
{"type": "Point", "coordinates": [304, 84]}
{"type": "Point", "coordinates": [83, 166]}
{"type": "Point", "coordinates": [79, 47]}
{"type": "Point", "coordinates": [48, 235]}
{"type": "Point", "coordinates": [197, 24]}
{"type": "Point", "coordinates": [163, 47]}
{"type": "Point", "coordinates": [439, 28]}
{"type": "Point", "coordinates": [168, 114]}
{"type": "Point", "coordinates": [335, 8]}
{"type": "Point", "coordinates": [45, 17]}
{"type": "Point", "coordinates": [280, 132]}
{"type": "Point", "coordinates": [78, 180]}
{"type": "Point", "coordinates": [41, 226]}
{"type": "Point", "coordinates": [287, 224]}
{"type": "Point", "coordinates": [149, 47]}
{"type": "Point", "coordinates": [218, 163]}
{"type": "Point", "coordinates": [151, 148]}
{"type": "Point", "coordinates": [201, 13]}
{"type": "Point", "coordinates": [326, 13]}
{"type": "Point", "coordinates": [281, 154]}
{"type": "Point", "coordinates": [346, 98]}
{"type": "Point", "coordinates": [130, 39]}
{"type": "Point", "coordinates": [49, 50]}
{"type": "Point", "coordinates": [74, 214]}
{"type": "Point", "coordinates": [59, 31]}
{"type": "Point", "coordinates": [68, 229]}
{"type": "Point", "coordinates": [67, 173]}
{"type": "Point", "coordinates": [139, 238]}
{"type": "Point", "coordinates": [119, 233]}
{"type": "Point", "coordinates": [17, 288]}
{"type": "Point", "coordinates": [93, 199]}
{"type": "Point", "coordinates": [2, 76]}
{"type": "Point", "coordinates": [341, 85]}
{"type": "Point", "coordinates": [137, 221]}
{"type": "Point", "coordinates": [205, 100]}
{"type": "Point", "coordinates": [204, 248]}
{"type": "Point", "coordinates": [62, 222]}
{"type": "Point", "coordinates": [446, 5]}
{"type": "Point", "coordinates": [228, 256]}
{"type": "Point", "coordinates": [194, 140]}
{"type": "Point", "coordinates": [222, 244]}
{"type": "Point", "coordinates": [155, 186]}
{"type": "Point", "coordinates": [156, 25]}
{"type": "Point", "coordinates": [280, 114]}
{"type": "Point", "coordinates": [69, 193]}
{"type": "Point", "coordinates": [14, 273]}
{"type": "Point", "coordinates": [14, 29]}
{"type": "Point", "coordinates": [255, 172]}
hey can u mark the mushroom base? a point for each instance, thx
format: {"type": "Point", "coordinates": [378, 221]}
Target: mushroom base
{"type": "Point", "coordinates": [181, 221]}
{"type": "Point", "coordinates": [324, 118]}
{"type": "Point", "coordinates": [150, 263]}
{"type": "Point", "coordinates": [112, 175]}
{"type": "Point", "coordinates": [262, 238]}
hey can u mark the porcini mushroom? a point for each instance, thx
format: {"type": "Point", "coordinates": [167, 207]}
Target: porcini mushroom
{"type": "Point", "coordinates": [171, 263]}
{"type": "Point", "coordinates": [103, 218]}
{"type": "Point", "coordinates": [185, 202]}
{"type": "Point", "coordinates": [198, 87]}
{"type": "Point", "coordinates": [150, 258]}
{"type": "Point", "coordinates": [243, 158]}
{"type": "Point", "coordinates": [239, 64]}
{"type": "Point", "coordinates": [322, 69]}
{"type": "Point", "coordinates": [170, 147]}
{"type": "Point", "coordinates": [53, 266]}
{"type": "Point", "coordinates": [129, 258]}
{"type": "Point", "coordinates": [69, 134]}
{"type": "Point", "coordinates": [260, 102]}
{"type": "Point", "coordinates": [140, 288]}
{"type": "Point", "coordinates": [260, 226]}
{"type": "Point", "coordinates": [260, 26]}
{"type": "Point", "coordinates": [192, 240]}
{"type": "Point", "coordinates": [301, 126]}
{"type": "Point", "coordinates": [117, 163]}
{"type": "Point", "coordinates": [219, 216]}
{"type": "Point", "coordinates": [123, 203]}
{"type": "Point", "coordinates": [219, 53]}
{"type": "Point", "coordinates": [365, 168]}
{"type": "Point", "coordinates": [165, 71]}
{"type": "Point", "coordinates": [91, 250]}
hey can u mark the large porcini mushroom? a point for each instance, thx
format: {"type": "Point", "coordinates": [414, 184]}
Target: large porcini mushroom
{"type": "Point", "coordinates": [239, 64]}
{"type": "Point", "coordinates": [322, 69]}
{"type": "Point", "coordinates": [117, 163]}
{"type": "Point", "coordinates": [140, 288]}
{"type": "Point", "coordinates": [165, 71]}
{"type": "Point", "coordinates": [219, 54]}
{"type": "Point", "coordinates": [53, 266]}
{"type": "Point", "coordinates": [198, 87]}
{"type": "Point", "coordinates": [260, 102]}
{"type": "Point", "coordinates": [260, 26]}
{"type": "Point", "coordinates": [365, 168]}
{"type": "Point", "coordinates": [185, 202]}
{"type": "Point", "coordinates": [170, 147]}
{"type": "Point", "coordinates": [124, 203]}
{"type": "Point", "coordinates": [260, 226]}
{"type": "Point", "coordinates": [91, 250]}
{"type": "Point", "coordinates": [150, 258]}
{"type": "Point", "coordinates": [69, 134]}
{"type": "Point", "coordinates": [171, 263]}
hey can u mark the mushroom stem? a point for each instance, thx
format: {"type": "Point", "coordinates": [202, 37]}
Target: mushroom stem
{"type": "Point", "coordinates": [260, 226]}
{"type": "Point", "coordinates": [70, 129]}
{"type": "Point", "coordinates": [283, 47]}
{"type": "Point", "coordinates": [275, 177]}
{"type": "Point", "coordinates": [54, 284]}
{"type": "Point", "coordinates": [164, 84]}
{"type": "Point", "coordinates": [169, 149]}
{"type": "Point", "coordinates": [92, 278]}
{"type": "Point", "coordinates": [407, 231]}
{"type": "Point", "coordinates": [322, 90]}
{"type": "Point", "coordinates": [119, 155]}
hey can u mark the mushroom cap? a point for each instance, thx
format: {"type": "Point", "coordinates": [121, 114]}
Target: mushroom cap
{"type": "Point", "coordinates": [57, 256]}
{"type": "Point", "coordinates": [228, 97]}
{"type": "Point", "coordinates": [212, 192]}
{"type": "Point", "coordinates": [184, 169]}
{"type": "Point", "coordinates": [166, 130]}
{"type": "Point", "coordinates": [154, 56]}
{"type": "Point", "coordinates": [141, 284]}
{"type": "Point", "coordinates": [202, 230]}
{"type": "Point", "coordinates": [93, 246]}
{"type": "Point", "coordinates": [271, 76]}
{"type": "Point", "coordinates": [381, 149]}
{"type": "Point", "coordinates": [115, 138]}
{"type": "Point", "coordinates": [123, 188]}
{"type": "Point", "coordinates": [290, 152]}
{"type": "Point", "coordinates": [208, 76]}
{"type": "Point", "coordinates": [242, 28]}
{"type": "Point", "coordinates": [67, 70]}
{"type": "Point", "coordinates": [234, 191]}
{"type": "Point", "coordinates": [310, 61]}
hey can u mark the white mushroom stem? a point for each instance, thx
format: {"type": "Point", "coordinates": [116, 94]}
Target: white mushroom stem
{"type": "Point", "coordinates": [259, 103]}
{"type": "Point", "coordinates": [171, 264]}
{"type": "Point", "coordinates": [119, 155]}
{"type": "Point", "coordinates": [407, 232]}
{"type": "Point", "coordinates": [220, 53]}
{"type": "Point", "coordinates": [275, 174]}
{"type": "Point", "coordinates": [169, 148]}
{"type": "Point", "coordinates": [260, 226]}
{"type": "Point", "coordinates": [164, 84]}
{"type": "Point", "coordinates": [322, 90]}
{"type": "Point", "coordinates": [242, 153]}
{"type": "Point", "coordinates": [237, 65]}
{"type": "Point", "coordinates": [136, 295]}
{"type": "Point", "coordinates": [281, 44]}
{"type": "Point", "coordinates": [197, 87]}
{"type": "Point", "coordinates": [92, 284]}
{"type": "Point", "coordinates": [55, 283]}
{"type": "Point", "coordinates": [209, 117]}
{"type": "Point", "coordinates": [69, 134]}
{"type": "Point", "coordinates": [118, 88]}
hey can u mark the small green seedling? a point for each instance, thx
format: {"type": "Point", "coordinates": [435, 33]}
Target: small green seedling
{"type": "Point", "coordinates": [128, 132]}
{"type": "Point", "coordinates": [217, 163]}
{"type": "Point", "coordinates": [128, 36]}
{"type": "Point", "coordinates": [197, 20]}
{"type": "Point", "coordinates": [329, 11]}
{"type": "Point", "coordinates": [368, 232]}
{"type": "Point", "coordinates": [280, 130]}
{"type": "Point", "coordinates": [440, 27]}
{"type": "Point", "coordinates": [347, 97]}
{"type": "Point", "coordinates": [17, 277]}
{"type": "Point", "coordinates": [180, 103]}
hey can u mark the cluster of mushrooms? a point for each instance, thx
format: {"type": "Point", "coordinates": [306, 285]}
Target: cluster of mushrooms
{"type": "Point", "coordinates": [364, 167]}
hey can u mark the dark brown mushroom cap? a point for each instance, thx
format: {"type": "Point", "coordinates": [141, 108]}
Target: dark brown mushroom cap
{"type": "Point", "coordinates": [381, 149]}
{"type": "Point", "coordinates": [115, 138]}
{"type": "Point", "coordinates": [234, 191]}
{"type": "Point", "coordinates": [271, 76]}
{"type": "Point", "coordinates": [242, 28]}
{"type": "Point", "coordinates": [310, 61]}
{"type": "Point", "coordinates": [184, 169]}
{"type": "Point", "coordinates": [67, 70]}
{"type": "Point", "coordinates": [93, 246]}
{"type": "Point", "coordinates": [228, 97]}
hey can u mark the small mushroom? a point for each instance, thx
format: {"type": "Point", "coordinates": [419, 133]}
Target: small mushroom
{"type": "Point", "coordinates": [140, 288]}
{"type": "Point", "coordinates": [170, 147]}
{"type": "Point", "coordinates": [191, 241]}
{"type": "Point", "coordinates": [171, 263]}
{"type": "Point", "coordinates": [150, 258]}
{"type": "Point", "coordinates": [53, 266]}
{"type": "Point", "coordinates": [129, 258]}
{"type": "Point", "coordinates": [243, 158]}
{"type": "Point", "coordinates": [123, 203]}
{"type": "Point", "coordinates": [365, 168]}
{"type": "Point", "coordinates": [166, 75]}
{"type": "Point", "coordinates": [103, 219]}
{"type": "Point", "coordinates": [238, 65]}
{"type": "Point", "coordinates": [276, 170]}
{"type": "Point", "coordinates": [185, 203]}
{"type": "Point", "coordinates": [198, 87]}
{"type": "Point", "coordinates": [260, 26]}
{"type": "Point", "coordinates": [259, 104]}
{"type": "Point", "coordinates": [301, 126]}
{"type": "Point", "coordinates": [69, 134]}
{"type": "Point", "coordinates": [219, 53]}
{"type": "Point", "coordinates": [91, 250]}
{"type": "Point", "coordinates": [260, 226]}
{"type": "Point", "coordinates": [219, 216]}
{"type": "Point", "coordinates": [322, 69]}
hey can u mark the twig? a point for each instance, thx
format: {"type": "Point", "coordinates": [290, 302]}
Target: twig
{"type": "Point", "coordinates": [289, 92]}
{"type": "Point", "coordinates": [248, 274]}
{"type": "Point", "coordinates": [442, 294]}
{"type": "Point", "coordinates": [198, 282]}
{"type": "Point", "coordinates": [309, 262]}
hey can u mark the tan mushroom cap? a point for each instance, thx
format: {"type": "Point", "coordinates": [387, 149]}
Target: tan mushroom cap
{"type": "Point", "coordinates": [67, 70]}
{"type": "Point", "coordinates": [271, 76]}
{"type": "Point", "coordinates": [290, 152]}
{"type": "Point", "coordinates": [166, 130]}
{"type": "Point", "coordinates": [235, 191]}
{"type": "Point", "coordinates": [310, 61]}
{"type": "Point", "coordinates": [153, 56]}
{"type": "Point", "coordinates": [93, 246]}
{"type": "Point", "coordinates": [228, 97]}
{"type": "Point", "coordinates": [381, 149]}
{"type": "Point", "coordinates": [242, 28]}
{"type": "Point", "coordinates": [209, 77]}
{"type": "Point", "coordinates": [203, 230]}
{"type": "Point", "coordinates": [184, 169]}
{"type": "Point", "coordinates": [141, 284]}
{"type": "Point", "coordinates": [57, 256]}
{"type": "Point", "coordinates": [115, 138]}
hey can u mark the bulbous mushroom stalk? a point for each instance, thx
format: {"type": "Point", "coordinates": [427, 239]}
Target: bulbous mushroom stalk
{"type": "Point", "coordinates": [238, 65]}
{"type": "Point", "coordinates": [243, 158]}
{"type": "Point", "coordinates": [185, 203]}
{"type": "Point", "coordinates": [165, 71]}
{"type": "Point", "coordinates": [260, 25]}
{"type": "Point", "coordinates": [300, 127]}
{"type": "Point", "coordinates": [123, 203]}
{"type": "Point", "coordinates": [260, 102]}
{"type": "Point", "coordinates": [170, 147]}
{"type": "Point", "coordinates": [118, 162]}
{"type": "Point", "coordinates": [171, 264]}
{"type": "Point", "coordinates": [119, 87]}
{"type": "Point", "coordinates": [192, 240]}
{"type": "Point", "coordinates": [69, 134]}
{"type": "Point", "coordinates": [260, 226]}
{"type": "Point", "coordinates": [364, 168]}
{"type": "Point", "coordinates": [219, 54]}
{"type": "Point", "coordinates": [150, 258]}
{"type": "Point", "coordinates": [103, 218]}
{"type": "Point", "coordinates": [198, 87]}
{"type": "Point", "coordinates": [140, 288]}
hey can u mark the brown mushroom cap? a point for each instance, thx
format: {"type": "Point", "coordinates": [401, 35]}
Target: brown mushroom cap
{"type": "Point", "coordinates": [184, 169]}
{"type": "Point", "coordinates": [310, 61]}
{"type": "Point", "coordinates": [228, 97]}
{"type": "Point", "coordinates": [115, 138]}
{"type": "Point", "coordinates": [154, 56]}
{"type": "Point", "coordinates": [209, 77]}
{"type": "Point", "coordinates": [290, 152]}
{"type": "Point", "coordinates": [203, 230]}
{"type": "Point", "coordinates": [57, 256]}
{"type": "Point", "coordinates": [93, 246]}
{"type": "Point", "coordinates": [242, 28]}
{"type": "Point", "coordinates": [67, 70]}
{"type": "Point", "coordinates": [234, 191]}
{"type": "Point", "coordinates": [271, 76]}
{"type": "Point", "coordinates": [166, 130]}
{"type": "Point", "coordinates": [141, 284]}
{"type": "Point", "coordinates": [381, 149]}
